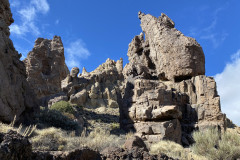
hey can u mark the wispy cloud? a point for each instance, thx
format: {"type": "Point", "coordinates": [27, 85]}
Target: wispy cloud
{"type": "Point", "coordinates": [228, 88]}
{"type": "Point", "coordinates": [28, 15]}
{"type": "Point", "coordinates": [209, 32]}
{"type": "Point", "coordinates": [57, 21]}
{"type": "Point", "coordinates": [15, 3]}
{"type": "Point", "coordinates": [75, 52]}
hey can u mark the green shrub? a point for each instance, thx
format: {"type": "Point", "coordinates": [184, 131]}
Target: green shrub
{"type": "Point", "coordinates": [54, 118]}
{"type": "Point", "coordinates": [215, 145]}
{"type": "Point", "coordinates": [63, 107]}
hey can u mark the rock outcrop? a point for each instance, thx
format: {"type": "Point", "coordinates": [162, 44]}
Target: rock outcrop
{"type": "Point", "coordinates": [162, 93]}
{"type": "Point", "coordinates": [98, 88]}
{"type": "Point", "coordinates": [176, 57]}
{"type": "Point", "coordinates": [46, 68]}
{"type": "Point", "coordinates": [167, 95]}
{"type": "Point", "coordinates": [16, 98]}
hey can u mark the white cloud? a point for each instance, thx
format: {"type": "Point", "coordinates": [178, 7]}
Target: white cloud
{"type": "Point", "coordinates": [57, 21]}
{"type": "Point", "coordinates": [75, 52]}
{"type": "Point", "coordinates": [14, 3]}
{"type": "Point", "coordinates": [210, 32]}
{"type": "Point", "coordinates": [28, 15]}
{"type": "Point", "coordinates": [228, 85]}
{"type": "Point", "coordinates": [216, 39]}
{"type": "Point", "coordinates": [41, 5]}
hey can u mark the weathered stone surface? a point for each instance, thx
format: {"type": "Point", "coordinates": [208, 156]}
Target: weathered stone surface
{"type": "Point", "coordinates": [134, 153]}
{"type": "Point", "coordinates": [79, 98]}
{"type": "Point", "coordinates": [98, 88]}
{"type": "Point", "coordinates": [175, 56]}
{"type": "Point", "coordinates": [16, 98]}
{"type": "Point", "coordinates": [14, 146]}
{"type": "Point", "coordinates": [165, 82]}
{"type": "Point", "coordinates": [45, 66]}
{"type": "Point", "coordinates": [135, 141]}
{"type": "Point", "coordinates": [153, 132]}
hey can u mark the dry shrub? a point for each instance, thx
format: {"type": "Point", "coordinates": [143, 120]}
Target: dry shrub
{"type": "Point", "coordinates": [214, 145]}
{"type": "Point", "coordinates": [5, 127]}
{"type": "Point", "coordinates": [53, 139]}
{"type": "Point", "coordinates": [50, 139]}
{"type": "Point", "coordinates": [169, 148]}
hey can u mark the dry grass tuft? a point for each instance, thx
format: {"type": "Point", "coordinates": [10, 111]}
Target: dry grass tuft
{"type": "Point", "coordinates": [169, 148]}
{"type": "Point", "coordinates": [52, 139]}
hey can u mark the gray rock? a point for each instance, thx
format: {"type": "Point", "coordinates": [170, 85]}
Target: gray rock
{"type": "Point", "coordinates": [16, 97]}
{"type": "Point", "coordinates": [45, 67]}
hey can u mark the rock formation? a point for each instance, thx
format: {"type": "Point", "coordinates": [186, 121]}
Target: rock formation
{"type": "Point", "coordinates": [97, 88]}
{"type": "Point", "coordinates": [46, 68]}
{"type": "Point", "coordinates": [166, 94]}
{"type": "Point", "coordinates": [162, 93]}
{"type": "Point", "coordinates": [15, 96]}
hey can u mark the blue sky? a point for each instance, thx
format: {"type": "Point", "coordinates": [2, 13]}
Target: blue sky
{"type": "Point", "coordinates": [94, 30]}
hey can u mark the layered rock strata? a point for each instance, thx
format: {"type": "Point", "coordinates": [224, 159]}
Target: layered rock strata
{"type": "Point", "coordinates": [45, 67]}
{"type": "Point", "coordinates": [15, 96]}
{"type": "Point", "coordinates": [167, 95]}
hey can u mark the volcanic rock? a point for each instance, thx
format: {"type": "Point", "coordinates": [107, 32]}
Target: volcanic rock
{"type": "Point", "coordinates": [14, 146]}
{"type": "Point", "coordinates": [99, 88]}
{"type": "Point", "coordinates": [16, 98]}
{"type": "Point", "coordinates": [166, 94]}
{"type": "Point", "coordinates": [45, 67]}
{"type": "Point", "coordinates": [175, 56]}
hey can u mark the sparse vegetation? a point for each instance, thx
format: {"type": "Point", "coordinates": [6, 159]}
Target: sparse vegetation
{"type": "Point", "coordinates": [215, 145]}
{"type": "Point", "coordinates": [52, 139]}
{"type": "Point", "coordinates": [169, 148]}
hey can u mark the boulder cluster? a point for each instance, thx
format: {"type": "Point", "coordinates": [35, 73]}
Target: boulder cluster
{"type": "Point", "coordinates": [162, 93]}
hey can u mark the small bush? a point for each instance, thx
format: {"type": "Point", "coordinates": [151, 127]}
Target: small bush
{"type": "Point", "coordinates": [54, 118]}
{"type": "Point", "coordinates": [63, 107]}
{"type": "Point", "coordinates": [214, 145]}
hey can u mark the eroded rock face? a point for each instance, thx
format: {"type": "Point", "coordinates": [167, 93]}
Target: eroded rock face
{"type": "Point", "coordinates": [99, 88]}
{"type": "Point", "coordinates": [175, 56]}
{"type": "Point", "coordinates": [15, 96]}
{"type": "Point", "coordinates": [45, 66]}
{"type": "Point", "coordinates": [166, 94]}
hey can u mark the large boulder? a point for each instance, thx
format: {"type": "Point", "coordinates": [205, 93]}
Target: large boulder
{"type": "Point", "coordinates": [45, 67]}
{"type": "Point", "coordinates": [16, 97]}
{"type": "Point", "coordinates": [175, 56]}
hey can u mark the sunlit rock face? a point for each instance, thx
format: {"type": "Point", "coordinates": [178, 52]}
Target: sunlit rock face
{"type": "Point", "coordinates": [16, 98]}
{"type": "Point", "coordinates": [176, 57]}
{"type": "Point", "coordinates": [45, 67]}
{"type": "Point", "coordinates": [166, 93]}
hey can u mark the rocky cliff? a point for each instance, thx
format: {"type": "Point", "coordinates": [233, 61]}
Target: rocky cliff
{"type": "Point", "coordinates": [15, 96]}
{"type": "Point", "coordinates": [162, 93]}
{"type": "Point", "coordinates": [45, 67]}
{"type": "Point", "coordinates": [167, 95]}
